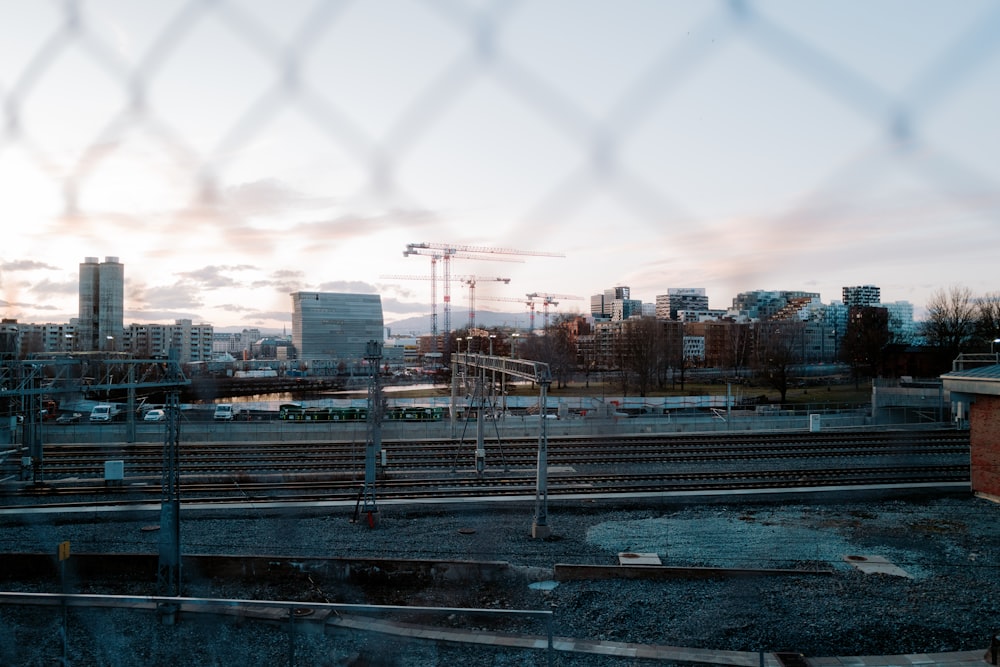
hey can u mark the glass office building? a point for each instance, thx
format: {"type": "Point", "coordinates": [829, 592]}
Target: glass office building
{"type": "Point", "coordinates": [332, 326]}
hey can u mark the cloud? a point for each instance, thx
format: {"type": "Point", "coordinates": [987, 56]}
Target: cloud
{"type": "Point", "coordinates": [235, 308]}
{"type": "Point", "coordinates": [27, 265]}
{"type": "Point", "coordinates": [351, 226]}
{"type": "Point", "coordinates": [269, 197]}
{"type": "Point", "coordinates": [160, 315]}
{"type": "Point", "coordinates": [27, 305]}
{"type": "Point", "coordinates": [348, 286]}
{"type": "Point", "coordinates": [282, 281]}
{"type": "Point", "coordinates": [43, 287]}
{"type": "Point", "coordinates": [390, 305]}
{"type": "Point", "coordinates": [401, 290]}
{"type": "Point", "coordinates": [277, 286]}
{"type": "Point", "coordinates": [168, 297]}
{"type": "Point", "coordinates": [283, 274]}
{"type": "Point", "coordinates": [265, 316]}
{"type": "Point", "coordinates": [212, 277]}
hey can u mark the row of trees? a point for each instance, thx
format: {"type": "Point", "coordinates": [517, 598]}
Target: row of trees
{"type": "Point", "coordinates": [958, 322]}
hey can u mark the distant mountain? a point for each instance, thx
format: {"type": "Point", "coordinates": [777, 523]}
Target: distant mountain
{"type": "Point", "coordinates": [460, 320]}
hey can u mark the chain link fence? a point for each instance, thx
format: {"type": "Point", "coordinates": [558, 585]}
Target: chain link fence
{"type": "Point", "coordinates": [224, 111]}
{"type": "Point", "coordinates": [350, 100]}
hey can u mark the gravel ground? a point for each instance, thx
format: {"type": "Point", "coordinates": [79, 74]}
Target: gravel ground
{"type": "Point", "coordinates": [949, 547]}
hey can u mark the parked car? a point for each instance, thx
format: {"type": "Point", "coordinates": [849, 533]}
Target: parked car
{"type": "Point", "coordinates": [155, 416]}
{"type": "Point", "coordinates": [69, 418]}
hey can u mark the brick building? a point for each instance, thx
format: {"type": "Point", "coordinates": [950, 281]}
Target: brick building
{"type": "Point", "coordinates": [975, 398]}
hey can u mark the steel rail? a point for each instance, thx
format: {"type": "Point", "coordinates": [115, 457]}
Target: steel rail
{"type": "Point", "coordinates": [472, 487]}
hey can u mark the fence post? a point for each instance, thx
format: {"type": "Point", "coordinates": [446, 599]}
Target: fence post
{"type": "Point", "coordinates": [291, 637]}
{"type": "Point", "coordinates": [550, 651]}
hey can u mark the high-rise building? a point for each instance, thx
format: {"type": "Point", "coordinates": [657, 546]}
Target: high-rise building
{"type": "Point", "coordinates": [862, 295]}
{"type": "Point", "coordinates": [597, 307]}
{"type": "Point", "coordinates": [623, 309]}
{"type": "Point", "coordinates": [680, 298]}
{"type": "Point", "coordinates": [605, 306]}
{"type": "Point", "coordinates": [331, 326]}
{"type": "Point", "coordinates": [901, 324]}
{"type": "Point", "coordinates": [102, 306]}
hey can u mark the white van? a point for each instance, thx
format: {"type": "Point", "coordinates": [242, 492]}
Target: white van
{"type": "Point", "coordinates": [104, 412]}
{"type": "Point", "coordinates": [224, 412]}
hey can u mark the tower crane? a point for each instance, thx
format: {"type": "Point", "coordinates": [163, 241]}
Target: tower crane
{"type": "Point", "coordinates": [470, 281]}
{"type": "Point", "coordinates": [445, 252]}
{"type": "Point", "coordinates": [444, 257]}
{"type": "Point", "coordinates": [507, 299]}
{"type": "Point", "coordinates": [547, 300]}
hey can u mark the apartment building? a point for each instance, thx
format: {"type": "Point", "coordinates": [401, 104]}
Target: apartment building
{"type": "Point", "coordinates": [193, 342]}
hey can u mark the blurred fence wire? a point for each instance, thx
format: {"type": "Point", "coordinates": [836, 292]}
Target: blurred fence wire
{"type": "Point", "coordinates": [72, 58]}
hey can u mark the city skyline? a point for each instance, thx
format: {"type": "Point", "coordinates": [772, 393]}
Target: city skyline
{"type": "Point", "coordinates": [100, 315]}
{"type": "Point", "coordinates": [231, 156]}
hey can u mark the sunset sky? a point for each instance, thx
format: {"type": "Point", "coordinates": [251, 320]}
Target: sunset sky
{"type": "Point", "coordinates": [232, 152]}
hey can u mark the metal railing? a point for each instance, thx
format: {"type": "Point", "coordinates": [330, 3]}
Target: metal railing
{"type": "Point", "coordinates": [404, 623]}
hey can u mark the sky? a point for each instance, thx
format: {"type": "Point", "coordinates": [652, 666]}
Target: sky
{"type": "Point", "coordinates": [229, 153]}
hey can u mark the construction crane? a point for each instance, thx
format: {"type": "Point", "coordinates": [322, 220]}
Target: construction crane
{"type": "Point", "coordinates": [470, 281]}
{"type": "Point", "coordinates": [507, 299]}
{"type": "Point", "coordinates": [547, 299]}
{"type": "Point", "coordinates": [445, 258]}
{"type": "Point", "coordinates": [444, 252]}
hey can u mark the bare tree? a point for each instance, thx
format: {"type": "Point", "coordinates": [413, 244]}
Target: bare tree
{"type": "Point", "coordinates": [776, 350]}
{"type": "Point", "coordinates": [988, 318]}
{"type": "Point", "coordinates": [951, 321]}
{"type": "Point", "coordinates": [555, 348]}
{"type": "Point", "coordinates": [620, 359]}
{"type": "Point", "coordinates": [642, 351]}
{"type": "Point", "coordinates": [737, 346]}
{"type": "Point", "coordinates": [670, 348]}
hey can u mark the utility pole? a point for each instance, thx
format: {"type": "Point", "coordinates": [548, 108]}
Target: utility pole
{"type": "Point", "coordinates": [168, 574]}
{"type": "Point", "coordinates": [540, 526]}
{"type": "Point", "coordinates": [373, 439]}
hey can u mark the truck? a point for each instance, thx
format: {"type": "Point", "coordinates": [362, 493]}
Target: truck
{"type": "Point", "coordinates": [224, 412]}
{"type": "Point", "coordinates": [104, 412]}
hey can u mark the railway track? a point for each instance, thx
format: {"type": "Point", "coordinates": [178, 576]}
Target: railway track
{"type": "Point", "coordinates": [332, 472]}
{"type": "Point", "coordinates": [144, 460]}
{"type": "Point", "coordinates": [334, 491]}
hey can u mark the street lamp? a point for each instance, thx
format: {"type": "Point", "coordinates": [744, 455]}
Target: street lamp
{"type": "Point", "coordinates": [513, 345]}
{"type": "Point", "coordinates": [995, 341]}
{"type": "Point", "coordinates": [492, 336]}
{"type": "Point", "coordinates": [458, 341]}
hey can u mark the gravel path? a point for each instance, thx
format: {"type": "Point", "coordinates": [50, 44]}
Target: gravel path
{"type": "Point", "coordinates": [949, 547]}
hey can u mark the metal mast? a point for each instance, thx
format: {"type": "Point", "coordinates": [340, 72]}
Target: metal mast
{"type": "Point", "coordinates": [373, 439]}
{"type": "Point", "coordinates": [168, 574]}
{"type": "Point", "coordinates": [462, 365]}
